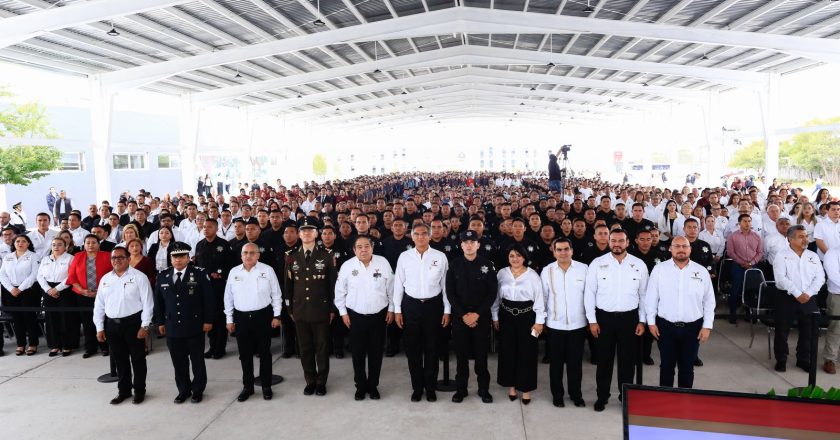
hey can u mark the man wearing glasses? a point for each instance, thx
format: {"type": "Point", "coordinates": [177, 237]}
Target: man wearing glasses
{"type": "Point", "coordinates": [125, 298]}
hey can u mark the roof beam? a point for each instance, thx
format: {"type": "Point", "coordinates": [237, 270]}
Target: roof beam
{"type": "Point", "coordinates": [26, 26]}
{"type": "Point", "coordinates": [480, 21]}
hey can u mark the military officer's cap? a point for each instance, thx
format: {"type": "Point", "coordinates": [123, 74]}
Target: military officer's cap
{"type": "Point", "coordinates": [309, 222]}
{"type": "Point", "coordinates": [180, 248]}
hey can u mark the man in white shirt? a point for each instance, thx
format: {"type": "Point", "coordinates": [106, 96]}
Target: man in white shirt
{"type": "Point", "coordinates": [252, 308]}
{"type": "Point", "coordinates": [308, 204]}
{"type": "Point", "coordinates": [831, 264]}
{"type": "Point", "coordinates": [774, 244]}
{"type": "Point", "coordinates": [680, 311]}
{"type": "Point", "coordinates": [42, 236]}
{"type": "Point", "coordinates": [420, 286]}
{"type": "Point", "coordinates": [563, 284]}
{"type": "Point", "coordinates": [798, 272]}
{"type": "Point", "coordinates": [827, 231]}
{"type": "Point", "coordinates": [614, 302]}
{"type": "Point", "coordinates": [226, 229]}
{"type": "Point", "coordinates": [125, 297]}
{"type": "Point", "coordinates": [364, 297]}
{"type": "Point", "coordinates": [74, 223]}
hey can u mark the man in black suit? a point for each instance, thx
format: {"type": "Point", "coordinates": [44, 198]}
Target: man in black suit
{"type": "Point", "coordinates": [184, 307]}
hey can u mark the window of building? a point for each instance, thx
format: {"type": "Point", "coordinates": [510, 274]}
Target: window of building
{"type": "Point", "coordinates": [166, 161]}
{"type": "Point", "coordinates": [72, 162]}
{"type": "Point", "coordinates": [130, 161]}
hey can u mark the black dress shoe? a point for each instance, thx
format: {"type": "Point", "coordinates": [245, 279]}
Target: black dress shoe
{"type": "Point", "coordinates": [139, 398]}
{"type": "Point", "coordinates": [244, 395]}
{"type": "Point", "coordinates": [558, 402]}
{"type": "Point", "coordinates": [105, 353]}
{"type": "Point", "coordinates": [431, 396]}
{"type": "Point", "coordinates": [181, 398]}
{"type": "Point", "coordinates": [804, 365]}
{"type": "Point", "coordinates": [485, 397]}
{"type": "Point", "coordinates": [458, 397]}
{"type": "Point", "coordinates": [53, 353]}
{"type": "Point", "coordinates": [287, 354]}
{"type": "Point", "coordinates": [87, 355]}
{"type": "Point", "coordinates": [360, 395]}
{"type": "Point", "coordinates": [309, 390]}
{"type": "Point", "coordinates": [546, 360]}
{"type": "Point", "coordinates": [390, 353]}
{"type": "Point", "coordinates": [208, 354]}
{"type": "Point", "coordinates": [600, 405]}
{"type": "Point", "coordinates": [698, 362]}
{"type": "Point", "coordinates": [780, 366]}
{"type": "Point", "coordinates": [339, 354]}
{"type": "Point", "coordinates": [512, 398]}
{"type": "Point", "coordinates": [66, 353]}
{"type": "Point", "coordinates": [119, 399]}
{"type": "Point", "coordinates": [649, 361]}
{"type": "Point", "coordinates": [593, 361]}
{"type": "Point", "coordinates": [579, 403]}
{"type": "Point", "coordinates": [320, 390]}
{"type": "Point", "coordinates": [526, 401]}
{"type": "Point", "coordinates": [219, 355]}
{"type": "Point", "coordinates": [374, 394]}
{"type": "Point", "coordinates": [267, 393]}
{"type": "Point", "coordinates": [197, 398]}
{"type": "Point", "coordinates": [416, 396]}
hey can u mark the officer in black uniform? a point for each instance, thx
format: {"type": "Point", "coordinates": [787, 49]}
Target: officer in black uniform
{"type": "Point", "coordinates": [440, 242]}
{"type": "Point", "coordinates": [310, 280]}
{"type": "Point", "coordinates": [471, 287]}
{"type": "Point", "coordinates": [645, 250]}
{"type": "Point", "coordinates": [252, 235]}
{"type": "Point", "coordinates": [215, 255]}
{"type": "Point", "coordinates": [184, 311]}
{"type": "Point", "coordinates": [701, 253]}
{"type": "Point", "coordinates": [392, 246]}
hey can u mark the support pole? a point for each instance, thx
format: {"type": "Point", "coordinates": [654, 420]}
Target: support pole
{"type": "Point", "coordinates": [769, 103]}
{"type": "Point", "coordinates": [190, 120]}
{"type": "Point", "coordinates": [101, 113]}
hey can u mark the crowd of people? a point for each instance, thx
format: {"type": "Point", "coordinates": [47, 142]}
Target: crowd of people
{"type": "Point", "coordinates": [424, 263]}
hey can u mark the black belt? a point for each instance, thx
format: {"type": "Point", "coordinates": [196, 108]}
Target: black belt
{"type": "Point", "coordinates": [617, 313]}
{"type": "Point", "coordinates": [124, 318]}
{"type": "Point", "coordinates": [53, 284]}
{"type": "Point", "coordinates": [424, 300]}
{"type": "Point", "coordinates": [251, 313]}
{"type": "Point", "coordinates": [678, 323]}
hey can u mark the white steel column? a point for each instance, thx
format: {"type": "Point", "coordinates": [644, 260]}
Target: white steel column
{"type": "Point", "coordinates": [714, 138]}
{"type": "Point", "coordinates": [101, 113]}
{"type": "Point", "coordinates": [769, 103]}
{"type": "Point", "coordinates": [188, 125]}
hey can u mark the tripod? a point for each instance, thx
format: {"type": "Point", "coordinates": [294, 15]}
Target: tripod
{"type": "Point", "coordinates": [564, 172]}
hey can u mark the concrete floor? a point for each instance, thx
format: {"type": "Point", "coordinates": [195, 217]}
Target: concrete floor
{"type": "Point", "coordinates": [42, 397]}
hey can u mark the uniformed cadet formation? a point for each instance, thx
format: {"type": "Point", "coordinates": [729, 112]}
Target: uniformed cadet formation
{"type": "Point", "coordinates": [422, 264]}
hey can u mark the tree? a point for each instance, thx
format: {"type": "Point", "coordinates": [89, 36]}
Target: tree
{"type": "Point", "coordinates": [23, 164]}
{"type": "Point", "coordinates": [750, 157]}
{"type": "Point", "coordinates": [319, 166]}
{"type": "Point", "coordinates": [818, 153]}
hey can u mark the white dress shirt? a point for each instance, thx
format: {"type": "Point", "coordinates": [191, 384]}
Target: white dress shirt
{"type": "Point", "coordinates": [121, 296]}
{"type": "Point", "coordinates": [829, 232]}
{"type": "Point", "coordinates": [42, 243]}
{"type": "Point", "coordinates": [365, 290]}
{"type": "Point", "coordinates": [528, 287]}
{"type": "Point", "coordinates": [421, 277]}
{"type": "Point", "coordinates": [19, 272]}
{"type": "Point", "coordinates": [615, 287]}
{"type": "Point", "coordinates": [715, 240]}
{"type": "Point", "coordinates": [563, 292]}
{"type": "Point", "coordinates": [177, 235]}
{"type": "Point", "coordinates": [79, 235]}
{"type": "Point", "coordinates": [773, 245]}
{"type": "Point", "coordinates": [798, 274]}
{"type": "Point", "coordinates": [226, 232]}
{"type": "Point", "coordinates": [54, 270]}
{"type": "Point", "coordinates": [831, 264]}
{"type": "Point", "coordinates": [680, 295]}
{"type": "Point", "coordinates": [248, 291]}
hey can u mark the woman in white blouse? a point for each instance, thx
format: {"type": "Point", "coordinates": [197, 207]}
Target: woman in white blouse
{"type": "Point", "coordinates": [518, 314]}
{"type": "Point", "coordinates": [51, 276]}
{"type": "Point", "coordinates": [713, 236]}
{"type": "Point", "coordinates": [685, 214]}
{"type": "Point", "coordinates": [668, 223]}
{"type": "Point", "coordinates": [19, 289]}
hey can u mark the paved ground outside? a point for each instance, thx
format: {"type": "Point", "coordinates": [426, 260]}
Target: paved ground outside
{"type": "Point", "coordinates": [42, 397]}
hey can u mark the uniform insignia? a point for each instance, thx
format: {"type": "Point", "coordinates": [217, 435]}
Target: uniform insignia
{"type": "Point", "coordinates": [447, 248]}
{"type": "Point", "coordinates": [434, 263]}
{"type": "Point", "coordinates": [262, 249]}
{"type": "Point", "coordinates": [705, 249]}
{"type": "Point", "coordinates": [604, 266]}
{"type": "Point", "coordinates": [377, 274]}
{"type": "Point", "coordinates": [355, 272]}
{"type": "Point", "coordinates": [657, 260]}
{"type": "Point", "coordinates": [485, 269]}
{"type": "Point", "coordinates": [319, 265]}
{"type": "Point", "coordinates": [530, 249]}
{"type": "Point", "coordinates": [164, 285]}
{"type": "Point", "coordinates": [236, 278]}
{"type": "Point", "coordinates": [488, 247]}
{"type": "Point", "coordinates": [408, 247]}
{"type": "Point", "coordinates": [191, 283]}
{"type": "Point", "coordinates": [219, 248]}
{"type": "Point", "coordinates": [590, 244]}
{"type": "Point", "coordinates": [295, 267]}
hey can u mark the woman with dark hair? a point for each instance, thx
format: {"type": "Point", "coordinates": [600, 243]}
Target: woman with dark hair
{"type": "Point", "coordinates": [71, 247]}
{"type": "Point", "coordinates": [159, 252]}
{"type": "Point", "coordinates": [670, 223]}
{"type": "Point", "coordinates": [823, 197]}
{"type": "Point", "coordinates": [52, 274]}
{"type": "Point", "coordinates": [137, 260]}
{"type": "Point", "coordinates": [518, 314]}
{"type": "Point", "coordinates": [18, 278]}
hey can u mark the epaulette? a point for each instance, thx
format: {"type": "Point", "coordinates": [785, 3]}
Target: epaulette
{"type": "Point", "coordinates": [289, 252]}
{"type": "Point", "coordinates": [161, 272]}
{"type": "Point", "coordinates": [329, 251]}
{"type": "Point", "coordinates": [198, 268]}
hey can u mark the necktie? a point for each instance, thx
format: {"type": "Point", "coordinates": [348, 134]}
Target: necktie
{"type": "Point", "coordinates": [307, 254]}
{"type": "Point", "coordinates": [178, 280]}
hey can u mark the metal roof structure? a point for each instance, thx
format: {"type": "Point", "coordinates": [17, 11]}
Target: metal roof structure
{"type": "Point", "coordinates": [369, 61]}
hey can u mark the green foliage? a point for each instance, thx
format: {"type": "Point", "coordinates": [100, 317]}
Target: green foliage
{"type": "Point", "coordinates": [750, 157]}
{"type": "Point", "coordinates": [319, 165]}
{"type": "Point", "coordinates": [22, 164]}
{"type": "Point", "coordinates": [811, 392]}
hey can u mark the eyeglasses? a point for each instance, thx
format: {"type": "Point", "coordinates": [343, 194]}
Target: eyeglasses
{"type": "Point", "coordinates": [119, 258]}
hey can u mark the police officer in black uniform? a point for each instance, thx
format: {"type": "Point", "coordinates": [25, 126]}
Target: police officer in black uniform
{"type": "Point", "coordinates": [252, 235]}
{"type": "Point", "coordinates": [184, 311]}
{"type": "Point", "coordinates": [701, 253]}
{"type": "Point", "coordinates": [471, 287]}
{"type": "Point", "coordinates": [310, 280]}
{"type": "Point", "coordinates": [645, 250]}
{"type": "Point", "coordinates": [392, 246]}
{"type": "Point", "coordinates": [214, 254]}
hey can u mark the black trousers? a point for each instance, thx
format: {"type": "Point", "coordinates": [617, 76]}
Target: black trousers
{"type": "Point", "coordinates": [314, 346]}
{"type": "Point", "coordinates": [185, 351]}
{"type": "Point", "coordinates": [88, 328]}
{"type": "Point", "coordinates": [289, 332]}
{"type": "Point", "coordinates": [618, 337]}
{"type": "Point", "coordinates": [61, 326]}
{"type": "Point", "coordinates": [25, 324]}
{"type": "Point", "coordinates": [253, 336]}
{"type": "Point", "coordinates": [367, 338]}
{"type": "Point", "coordinates": [218, 336]}
{"type": "Point", "coordinates": [421, 321]}
{"type": "Point", "coordinates": [129, 353]}
{"type": "Point", "coordinates": [566, 351]}
{"type": "Point", "coordinates": [338, 332]}
{"type": "Point", "coordinates": [472, 341]}
{"type": "Point", "coordinates": [394, 333]}
{"type": "Point", "coordinates": [678, 347]}
{"type": "Point", "coordinates": [518, 350]}
{"type": "Point", "coordinates": [787, 310]}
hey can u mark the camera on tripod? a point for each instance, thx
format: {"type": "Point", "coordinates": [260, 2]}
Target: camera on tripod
{"type": "Point", "coordinates": [564, 150]}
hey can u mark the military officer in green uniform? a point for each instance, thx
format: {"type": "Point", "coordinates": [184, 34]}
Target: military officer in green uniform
{"type": "Point", "coordinates": [310, 281]}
